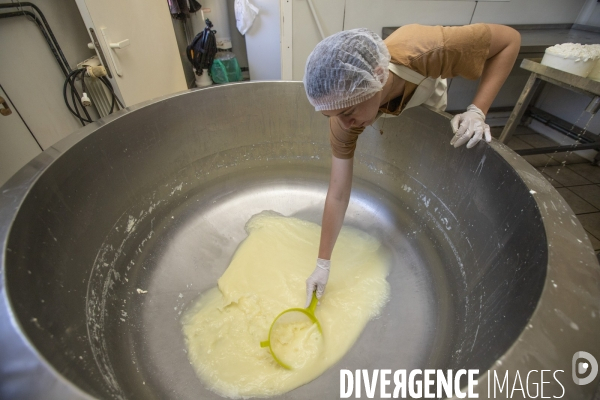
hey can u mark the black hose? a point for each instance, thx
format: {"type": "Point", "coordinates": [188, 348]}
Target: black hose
{"type": "Point", "coordinates": [114, 95]}
{"type": "Point", "coordinates": [71, 75]}
{"type": "Point", "coordinates": [64, 67]}
{"type": "Point", "coordinates": [77, 113]}
{"type": "Point", "coordinates": [75, 98]}
{"type": "Point", "coordinates": [36, 8]}
{"type": "Point", "coordinates": [83, 87]}
{"type": "Point", "coordinates": [84, 108]}
{"type": "Point", "coordinates": [71, 81]}
{"type": "Point", "coordinates": [112, 91]}
{"type": "Point", "coordinates": [41, 14]}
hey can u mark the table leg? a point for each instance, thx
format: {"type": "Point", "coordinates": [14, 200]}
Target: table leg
{"type": "Point", "coordinates": [520, 108]}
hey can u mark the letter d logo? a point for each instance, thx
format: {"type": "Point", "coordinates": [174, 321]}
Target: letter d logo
{"type": "Point", "coordinates": [583, 367]}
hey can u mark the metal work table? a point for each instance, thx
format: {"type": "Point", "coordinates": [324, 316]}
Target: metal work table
{"type": "Point", "coordinates": [539, 74]}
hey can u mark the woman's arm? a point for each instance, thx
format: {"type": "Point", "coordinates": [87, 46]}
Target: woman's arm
{"type": "Point", "coordinates": [469, 127]}
{"type": "Point", "coordinates": [504, 47]}
{"type": "Point", "coordinates": [336, 203]}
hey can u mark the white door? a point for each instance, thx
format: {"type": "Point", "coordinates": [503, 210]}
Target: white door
{"type": "Point", "coordinates": [17, 145]}
{"type": "Point", "coordinates": [263, 42]}
{"type": "Point", "coordinates": [144, 60]}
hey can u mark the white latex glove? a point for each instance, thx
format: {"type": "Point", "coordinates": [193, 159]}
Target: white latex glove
{"type": "Point", "coordinates": [470, 126]}
{"type": "Point", "coordinates": [317, 280]}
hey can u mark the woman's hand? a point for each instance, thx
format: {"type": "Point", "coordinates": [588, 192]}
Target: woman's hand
{"type": "Point", "coordinates": [504, 47]}
{"type": "Point", "coordinates": [317, 280]}
{"type": "Point", "coordinates": [470, 126]}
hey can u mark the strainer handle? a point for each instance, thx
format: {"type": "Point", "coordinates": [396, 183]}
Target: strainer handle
{"type": "Point", "coordinates": [313, 303]}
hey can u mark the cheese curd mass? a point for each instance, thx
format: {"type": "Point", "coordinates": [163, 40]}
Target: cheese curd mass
{"type": "Point", "coordinates": [266, 276]}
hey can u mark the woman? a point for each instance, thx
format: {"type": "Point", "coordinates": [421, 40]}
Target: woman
{"type": "Point", "coordinates": [353, 77]}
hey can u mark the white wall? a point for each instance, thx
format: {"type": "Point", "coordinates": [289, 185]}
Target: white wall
{"type": "Point", "coordinates": [381, 13]}
{"type": "Point", "coordinates": [337, 15]}
{"type": "Point", "coordinates": [589, 14]}
{"type": "Point", "coordinates": [305, 34]}
{"type": "Point", "coordinates": [182, 43]}
{"type": "Point", "coordinates": [594, 19]}
{"type": "Point", "coordinates": [216, 11]}
{"type": "Point", "coordinates": [263, 42]}
{"type": "Point", "coordinates": [30, 74]}
{"type": "Point", "coordinates": [528, 12]}
{"type": "Point", "coordinates": [17, 145]}
{"type": "Point", "coordinates": [237, 40]}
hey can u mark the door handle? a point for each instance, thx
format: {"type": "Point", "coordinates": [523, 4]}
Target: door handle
{"type": "Point", "coordinates": [119, 45]}
{"type": "Point", "coordinates": [111, 49]}
{"type": "Point", "coordinates": [5, 110]}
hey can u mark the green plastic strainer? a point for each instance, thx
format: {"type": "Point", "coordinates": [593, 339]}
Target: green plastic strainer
{"type": "Point", "coordinates": [293, 321]}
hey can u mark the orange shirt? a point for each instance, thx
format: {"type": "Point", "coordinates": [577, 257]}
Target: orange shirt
{"type": "Point", "coordinates": [432, 51]}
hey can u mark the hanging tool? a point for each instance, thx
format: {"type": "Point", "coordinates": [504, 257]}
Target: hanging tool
{"type": "Point", "coordinates": [201, 52]}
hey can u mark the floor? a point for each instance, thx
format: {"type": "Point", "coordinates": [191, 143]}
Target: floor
{"type": "Point", "coordinates": [574, 177]}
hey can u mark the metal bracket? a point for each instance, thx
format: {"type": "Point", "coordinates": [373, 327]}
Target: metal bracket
{"type": "Point", "coordinates": [5, 108]}
{"type": "Point", "coordinates": [594, 105]}
{"type": "Point", "coordinates": [98, 48]}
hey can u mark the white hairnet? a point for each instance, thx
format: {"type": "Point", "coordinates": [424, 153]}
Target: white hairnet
{"type": "Point", "coordinates": [345, 69]}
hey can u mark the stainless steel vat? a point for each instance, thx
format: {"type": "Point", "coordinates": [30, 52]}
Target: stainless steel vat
{"type": "Point", "coordinates": [492, 269]}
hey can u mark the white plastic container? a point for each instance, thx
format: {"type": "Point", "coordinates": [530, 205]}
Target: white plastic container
{"type": "Point", "coordinates": [595, 73]}
{"type": "Point", "coordinates": [595, 51]}
{"type": "Point", "coordinates": [203, 80]}
{"type": "Point", "coordinates": [572, 64]}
